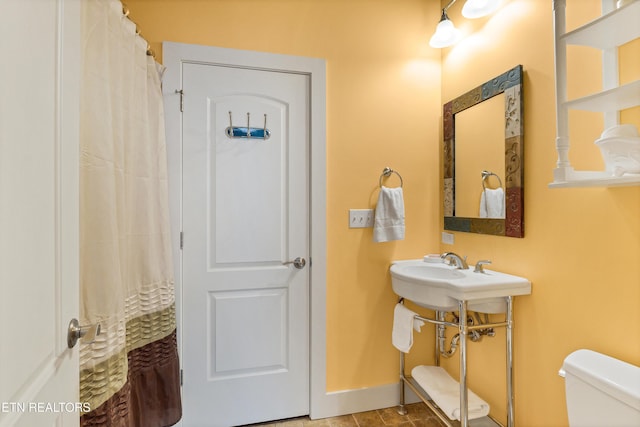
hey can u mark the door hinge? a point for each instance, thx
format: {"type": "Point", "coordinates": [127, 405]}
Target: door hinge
{"type": "Point", "coordinates": [181, 239]}
{"type": "Point", "coordinates": [181, 377]}
{"type": "Point", "coordinates": [181, 92]}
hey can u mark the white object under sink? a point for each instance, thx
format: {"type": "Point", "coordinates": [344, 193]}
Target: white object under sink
{"type": "Point", "coordinates": [441, 287]}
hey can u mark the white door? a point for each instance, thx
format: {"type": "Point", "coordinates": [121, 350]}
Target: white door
{"type": "Point", "coordinates": [245, 312]}
{"type": "Point", "coordinates": [38, 211]}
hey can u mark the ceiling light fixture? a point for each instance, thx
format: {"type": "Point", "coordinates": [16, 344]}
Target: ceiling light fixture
{"type": "Point", "coordinates": [446, 34]}
{"type": "Point", "coordinates": [479, 8]}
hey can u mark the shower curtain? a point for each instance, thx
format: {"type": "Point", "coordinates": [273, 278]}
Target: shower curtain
{"type": "Point", "coordinates": [130, 374]}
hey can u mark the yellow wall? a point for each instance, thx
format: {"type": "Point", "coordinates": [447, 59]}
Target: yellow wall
{"type": "Point", "coordinates": [383, 109]}
{"type": "Point", "coordinates": [581, 248]}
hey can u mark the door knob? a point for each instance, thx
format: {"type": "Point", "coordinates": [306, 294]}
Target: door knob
{"type": "Point", "coordinates": [87, 333]}
{"type": "Point", "coordinates": [298, 263]}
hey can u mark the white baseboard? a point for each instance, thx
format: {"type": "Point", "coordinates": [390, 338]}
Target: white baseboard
{"type": "Point", "coordinates": [344, 402]}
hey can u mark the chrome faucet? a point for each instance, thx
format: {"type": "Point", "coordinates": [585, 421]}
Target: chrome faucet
{"type": "Point", "coordinates": [455, 260]}
{"type": "Point", "coordinates": [479, 265]}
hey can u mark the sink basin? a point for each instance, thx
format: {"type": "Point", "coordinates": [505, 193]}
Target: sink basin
{"type": "Point", "coordinates": [440, 286]}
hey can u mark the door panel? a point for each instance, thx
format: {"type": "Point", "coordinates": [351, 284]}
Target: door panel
{"type": "Point", "coordinates": [249, 210]}
{"type": "Point", "coordinates": [265, 349]}
{"type": "Point", "coordinates": [38, 212]}
{"type": "Point", "coordinates": [245, 213]}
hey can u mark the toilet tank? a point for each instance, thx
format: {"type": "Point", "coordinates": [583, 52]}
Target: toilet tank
{"type": "Point", "coordinates": [601, 391]}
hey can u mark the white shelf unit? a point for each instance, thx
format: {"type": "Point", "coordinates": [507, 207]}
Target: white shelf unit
{"type": "Point", "coordinates": [616, 26]}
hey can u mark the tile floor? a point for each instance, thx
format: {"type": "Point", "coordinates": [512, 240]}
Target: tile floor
{"type": "Point", "coordinates": [418, 416]}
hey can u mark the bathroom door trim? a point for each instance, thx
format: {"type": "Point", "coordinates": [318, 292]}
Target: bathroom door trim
{"type": "Point", "coordinates": [321, 403]}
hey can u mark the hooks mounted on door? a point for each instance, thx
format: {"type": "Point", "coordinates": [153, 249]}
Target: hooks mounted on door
{"type": "Point", "coordinates": [247, 132]}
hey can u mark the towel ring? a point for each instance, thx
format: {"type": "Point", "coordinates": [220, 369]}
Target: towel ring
{"type": "Point", "coordinates": [487, 174]}
{"type": "Point", "coordinates": [386, 173]}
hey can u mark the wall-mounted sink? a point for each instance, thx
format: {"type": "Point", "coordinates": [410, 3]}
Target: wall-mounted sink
{"type": "Point", "coordinates": [440, 286]}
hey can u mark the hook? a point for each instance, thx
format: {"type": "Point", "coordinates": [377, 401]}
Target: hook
{"type": "Point", "coordinates": [264, 133]}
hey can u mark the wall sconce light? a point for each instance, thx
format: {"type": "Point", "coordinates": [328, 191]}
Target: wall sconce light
{"type": "Point", "coordinates": [446, 34]}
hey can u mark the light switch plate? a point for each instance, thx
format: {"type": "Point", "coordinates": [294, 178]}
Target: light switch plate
{"type": "Point", "coordinates": [360, 218]}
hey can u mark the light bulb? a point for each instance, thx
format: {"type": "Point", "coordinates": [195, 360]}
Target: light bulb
{"type": "Point", "coordinates": [446, 34]}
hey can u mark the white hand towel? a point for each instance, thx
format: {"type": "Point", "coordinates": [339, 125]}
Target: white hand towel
{"type": "Point", "coordinates": [492, 203]}
{"type": "Point", "coordinates": [445, 391]}
{"type": "Point", "coordinates": [389, 217]}
{"type": "Point", "coordinates": [404, 322]}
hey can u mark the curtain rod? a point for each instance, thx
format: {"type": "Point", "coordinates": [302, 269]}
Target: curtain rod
{"type": "Point", "coordinates": [125, 12]}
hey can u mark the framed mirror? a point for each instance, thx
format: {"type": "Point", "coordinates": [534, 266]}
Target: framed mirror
{"type": "Point", "coordinates": [483, 158]}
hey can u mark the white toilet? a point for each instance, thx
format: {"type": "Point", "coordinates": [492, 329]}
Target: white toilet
{"type": "Point", "coordinates": [601, 391]}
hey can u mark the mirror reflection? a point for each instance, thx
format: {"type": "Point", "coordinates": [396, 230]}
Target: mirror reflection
{"type": "Point", "coordinates": [483, 147]}
{"type": "Point", "coordinates": [480, 147]}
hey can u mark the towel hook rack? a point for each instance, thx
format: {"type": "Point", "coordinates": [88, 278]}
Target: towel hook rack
{"type": "Point", "coordinates": [247, 132]}
{"type": "Point", "coordinates": [486, 174]}
{"type": "Point", "coordinates": [386, 173]}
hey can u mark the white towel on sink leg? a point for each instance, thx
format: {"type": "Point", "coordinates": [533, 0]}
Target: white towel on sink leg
{"type": "Point", "coordinates": [389, 216]}
{"type": "Point", "coordinates": [404, 322]}
{"type": "Point", "coordinates": [445, 392]}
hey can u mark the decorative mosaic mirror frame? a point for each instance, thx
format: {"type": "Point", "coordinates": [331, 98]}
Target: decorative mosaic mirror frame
{"type": "Point", "coordinates": [509, 83]}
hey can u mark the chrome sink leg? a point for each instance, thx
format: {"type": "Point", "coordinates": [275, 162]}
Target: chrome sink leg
{"type": "Point", "coordinates": [437, 345]}
{"type": "Point", "coordinates": [509, 334]}
{"type": "Point", "coordinates": [464, 398]}
{"type": "Point", "coordinates": [401, 408]}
